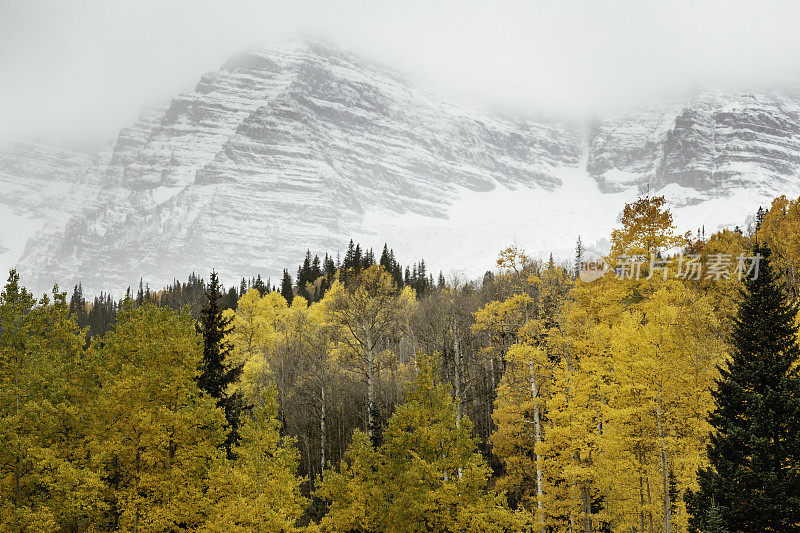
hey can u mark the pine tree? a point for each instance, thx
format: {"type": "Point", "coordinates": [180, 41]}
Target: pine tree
{"type": "Point", "coordinates": [215, 374]}
{"type": "Point", "coordinates": [287, 291]}
{"type": "Point", "coordinates": [753, 479]}
{"type": "Point", "coordinates": [316, 269]}
{"type": "Point", "coordinates": [77, 307]}
{"type": "Point", "coordinates": [259, 285]}
{"type": "Point", "coordinates": [715, 523]}
{"type": "Point", "coordinates": [329, 268]}
{"type": "Point", "coordinates": [760, 217]}
{"type": "Point", "coordinates": [358, 260]}
{"type": "Point", "coordinates": [349, 256]}
{"type": "Point", "coordinates": [578, 257]}
{"type": "Point", "coordinates": [304, 276]}
{"type": "Point", "coordinates": [385, 260]}
{"type": "Point", "coordinates": [369, 259]}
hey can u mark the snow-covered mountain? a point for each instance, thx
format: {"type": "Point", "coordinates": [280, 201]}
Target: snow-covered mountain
{"type": "Point", "coordinates": [304, 146]}
{"type": "Point", "coordinates": [41, 186]}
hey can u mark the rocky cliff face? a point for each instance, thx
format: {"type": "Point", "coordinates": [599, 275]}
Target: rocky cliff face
{"type": "Point", "coordinates": [41, 187]}
{"type": "Point", "coordinates": [715, 143]}
{"type": "Point", "coordinates": [303, 146]}
{"type": "Point", "coordinates": [282, 150]}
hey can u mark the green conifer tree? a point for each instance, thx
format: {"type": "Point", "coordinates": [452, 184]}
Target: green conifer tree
{"type": "Point", "coordinates": [753, 480]}
{"type": "Point", "coordinates": [215, 373]}
{"type": "Point", "coordinates": [287, 291]}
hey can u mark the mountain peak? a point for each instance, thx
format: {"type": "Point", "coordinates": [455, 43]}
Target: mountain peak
{"type": "Point", "coordinates": [267, 55]}
{"type": "Point", "coordinates": [302, 145]}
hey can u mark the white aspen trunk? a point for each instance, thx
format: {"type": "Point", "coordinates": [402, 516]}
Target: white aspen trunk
{"type": "Point", "coordinates": [138, 480]}
{"type": "Point", "coordinates": [322, 433]}
{"type": "Point", "coordinates": [457, 371]}
{"type": "Point", "coordinates": [664, 473]}
{"type": "Point", "coordinates": [587, 508]}
{"type": "Point", "coordinates": [17, 462]}
{"type": "Point", "coordinates": [370, 389]}
{"type": "Point", "coordinates": [457, 378]}
{"type": "Point", "coordinates": [641, 498]}
{"type": "Point", "coordinates": [571, 511]}
{"type": "Point", "coordinates": [489, 403]}
{"type": "Point", "coordinates": [649, 504]}
{"type": "Point", "coordinates": [576, 457]}
{"type": "Point", "coordinates": [537, 428]}
{"type": "Point", "coordinates": [491, 371]}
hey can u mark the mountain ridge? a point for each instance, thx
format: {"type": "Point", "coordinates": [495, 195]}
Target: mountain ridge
{"type": "Point", "coordinates": [304, 145]}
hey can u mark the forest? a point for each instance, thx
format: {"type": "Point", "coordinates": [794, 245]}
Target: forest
{"type": "Point", "coordinates": [660, 393]}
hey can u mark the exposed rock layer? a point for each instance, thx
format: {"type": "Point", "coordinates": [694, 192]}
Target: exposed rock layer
{"type": "Point", "coordinates": [298, 146]}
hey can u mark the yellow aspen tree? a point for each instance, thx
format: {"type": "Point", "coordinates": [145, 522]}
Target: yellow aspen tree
{"type": "Point", "coordinates": [255, 324]}
{"type": "Point", "coordinates": [575, 412]}
{"type": "Point", "coordinates": [518, 415]}
{"type": "Point", "coordinates": [780, 230]}
{"type": "Point", "coordinates": [525, 319]}
{"type": "Point", "coordinates": [368, 310]}
{"type": "Point", "coordinates": [426, 476]}
{"type": "Point", "coordinates": [663, 370]}
{"type": "Point", "coordinates": [259, 489]}
{"type": "Point", "coordinates": [258, 329]}
{"type": "Point", "coordinates": [647, 229]}
{"type": "Point", "coordinates": [723, 290]}
{"type": "Point", "coordinates": [45, 481]}
{"type": "Point", "coordinates": [576, 406]}
{"type": "Point", "coordinates": [515, 437]}
{"type": "Point", "coordinates": [353, 490]}
{"type": "Point", "coordinates": [154, 435]}
{"type": "Point", "coordinates": [319, 359]}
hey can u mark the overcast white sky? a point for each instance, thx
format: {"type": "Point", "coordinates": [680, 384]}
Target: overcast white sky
{"type": "Point", "coordinates": [78, 71]}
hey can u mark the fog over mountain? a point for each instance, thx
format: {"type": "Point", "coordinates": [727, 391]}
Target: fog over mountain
{"type": "Point", "coordinates": [77, 72]}
{"type": "Point", "coordinates": [304, 145]}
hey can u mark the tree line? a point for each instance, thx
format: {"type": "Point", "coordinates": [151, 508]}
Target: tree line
{"type": "Point", "coordinates": [314, 277]}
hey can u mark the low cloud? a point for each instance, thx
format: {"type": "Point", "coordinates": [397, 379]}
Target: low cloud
{"type": "Point", "coordinates": [77, 72]}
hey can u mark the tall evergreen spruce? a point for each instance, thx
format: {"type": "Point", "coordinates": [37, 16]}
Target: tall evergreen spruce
{"type": "Point", "coordinates": [215, 375]}
{"type": "Point", "coordinates": [753, 481]}
{"type": "Point", "coordinates": [259, 285]}
{"type": "Point", "coordinates": [287, 290]}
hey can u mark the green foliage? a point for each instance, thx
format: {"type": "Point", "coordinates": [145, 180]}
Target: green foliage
{"type": "Point", "coordinates": [44, 479]}
{"type": "Point", "coordinates": [216, 372]}
{"type": "Point", "coordinates": [154, 435]}
{"type": "Point", "coordinates": [426, 476]}
{"type": "Point", "coordinates": [257, 491]}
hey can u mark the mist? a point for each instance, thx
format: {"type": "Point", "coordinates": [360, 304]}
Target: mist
{"type": "Point", "coordinates": [75, 73]}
